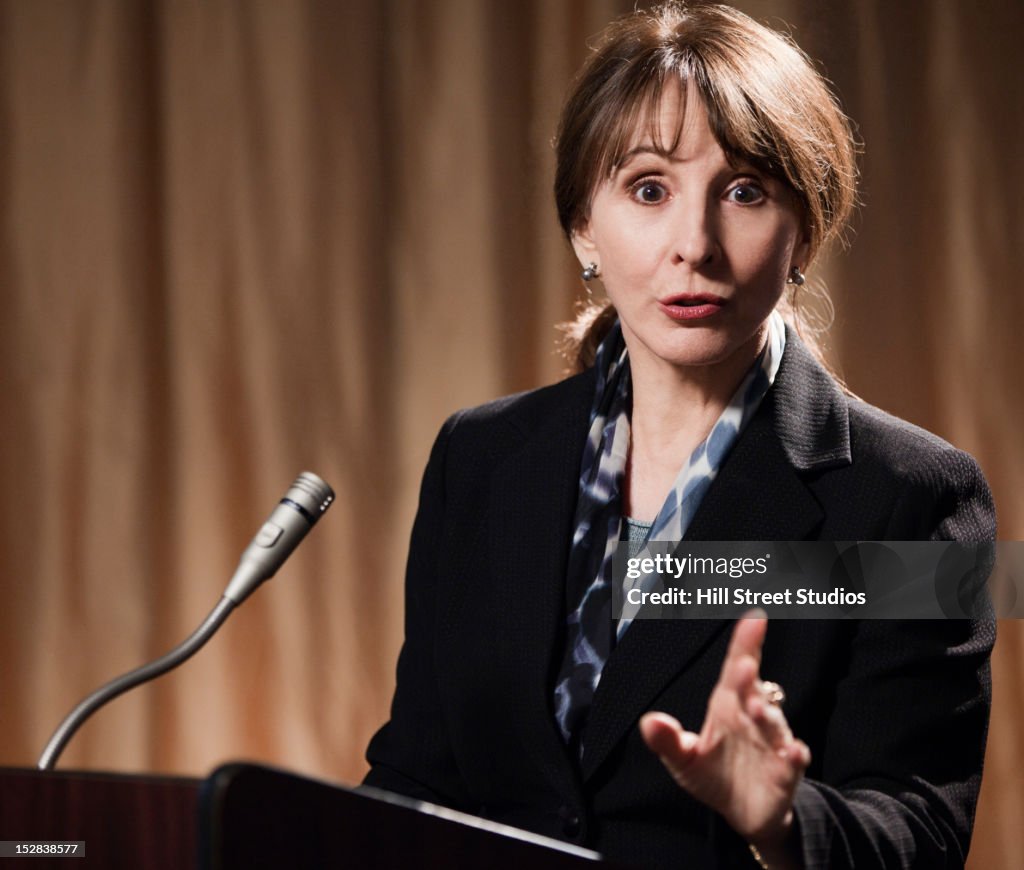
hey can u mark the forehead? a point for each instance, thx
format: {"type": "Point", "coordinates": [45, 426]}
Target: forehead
{"type": "Point", "coordinates": [674, 122]}
{"type": "Point", "coordinates": [673, 113]}
{"type": "Point", "coordinates": [678, 127]}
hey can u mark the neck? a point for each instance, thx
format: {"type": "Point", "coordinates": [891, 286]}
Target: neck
{"type": "Point", "coordinates": [675, 403]}
{"type": "Point", "coordinates": [674, 409]}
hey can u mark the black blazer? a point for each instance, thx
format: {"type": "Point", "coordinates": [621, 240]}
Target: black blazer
{"type": "Point", "coordinates": [895, 713]}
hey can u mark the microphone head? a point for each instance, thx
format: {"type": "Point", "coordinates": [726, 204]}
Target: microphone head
{"type": "Point", "coordinates": [312, 494]}
{"type": "Point", "coordinates": [290, 521]}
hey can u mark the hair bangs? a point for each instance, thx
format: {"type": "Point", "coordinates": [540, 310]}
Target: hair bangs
{"type": "Point", "coordinates": [744, 133]}
{"type": "Point", "coordinates": [637, 118]}
{"type": "Point", "coordinates": [641, 120]}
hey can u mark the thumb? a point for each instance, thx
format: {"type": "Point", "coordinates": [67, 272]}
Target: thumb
{"type": "Point", "coordinates": [666, 738]}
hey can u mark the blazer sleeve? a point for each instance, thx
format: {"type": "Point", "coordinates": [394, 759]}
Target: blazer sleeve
{"type": "Point", "coordinates": [411, 753]}
{"type": "Point", "coordinates": [899, 779]}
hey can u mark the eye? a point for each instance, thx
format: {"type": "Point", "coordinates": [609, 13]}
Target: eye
{"type": "Point", "coordinates": [646, 191]}
{"type": "Point", "coordinates": [745, 193]}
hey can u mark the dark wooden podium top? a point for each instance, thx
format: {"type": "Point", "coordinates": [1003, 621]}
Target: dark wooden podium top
{"type": "Point", "coordinates": [121, 817]}
{"type": "Point", "coordinates": [246, 816]}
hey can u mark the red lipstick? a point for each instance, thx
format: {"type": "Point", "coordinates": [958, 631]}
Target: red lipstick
{"type": "Point", "coordinates": [692, 306]}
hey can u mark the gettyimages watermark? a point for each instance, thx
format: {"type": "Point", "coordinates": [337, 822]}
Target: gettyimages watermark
{"type": "Point", "coordinates": [819, 580]}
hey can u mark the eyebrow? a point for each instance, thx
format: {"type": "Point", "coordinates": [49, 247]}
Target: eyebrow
{"type": "Point", "coordinates": [739, 164]}
{"type": "Point", "coordinates": [647, 149]}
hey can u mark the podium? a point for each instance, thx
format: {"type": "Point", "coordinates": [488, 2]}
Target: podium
{"type": "Point", "coordinates": [252, 816]}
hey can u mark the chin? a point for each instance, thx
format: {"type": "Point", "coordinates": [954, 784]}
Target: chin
{"type": "Point", "coordinates": [705, 350]}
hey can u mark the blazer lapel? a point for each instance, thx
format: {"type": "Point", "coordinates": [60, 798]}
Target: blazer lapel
{"type": "Point", "coordinates": [533, 502]}
{"type": "Point", "coordinates": [758, 495]}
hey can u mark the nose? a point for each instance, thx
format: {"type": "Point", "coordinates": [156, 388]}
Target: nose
{"type": "Point", "coordinates": [696, 236]}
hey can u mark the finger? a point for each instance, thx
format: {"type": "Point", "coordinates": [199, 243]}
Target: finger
{"type": "Point", "coordinates": [799, 754]}
{"type": "Point", "coordinates": [798, 757]}
{"type": "Point", "coordinates": [770, 721]}
{"type": "Point", "coordinates": [748, 636]}
{"type": "Point", "coordinates": [667, 739]}
{"type": "Point", "coordinates": [739, 675]}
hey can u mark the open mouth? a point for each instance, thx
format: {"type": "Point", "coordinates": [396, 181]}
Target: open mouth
{"type": "Point", "coordinates": [692, 307]}
{"type": "Point", "coordinates": [692, 300]}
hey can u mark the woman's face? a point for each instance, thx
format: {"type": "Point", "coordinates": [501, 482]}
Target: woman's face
{"type": "Point", "coordinates": [693, 252]}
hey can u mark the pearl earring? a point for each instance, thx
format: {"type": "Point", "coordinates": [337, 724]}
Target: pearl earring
{"type": "Point", "coordinates": [590, 273]}
{"type": "Point", "coordinates": [796, 276]}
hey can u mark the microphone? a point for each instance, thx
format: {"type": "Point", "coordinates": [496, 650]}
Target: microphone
{"type": "Point", "coordinates": [302, 505]}
{"type": "Point", "coordinates": [296, 513]}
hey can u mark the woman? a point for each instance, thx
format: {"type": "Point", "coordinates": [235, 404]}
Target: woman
{"type": "Point", "coordinates": [702, 164]}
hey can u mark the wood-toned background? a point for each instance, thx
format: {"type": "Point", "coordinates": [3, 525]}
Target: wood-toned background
{"type": "Point", "coordinates": [239, 239]}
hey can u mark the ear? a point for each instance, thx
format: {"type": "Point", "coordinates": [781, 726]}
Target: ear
{"type": "Point", "coordinates": [583, 245]}
{"type": "Point", "coordinates": [802, 252]}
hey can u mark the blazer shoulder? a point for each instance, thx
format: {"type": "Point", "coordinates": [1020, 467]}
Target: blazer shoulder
{"type": "Point", "coordinates": [527, 411]}
{"type": "Point", "coordinates": [908, 451]}
{"type": "Point", "coordinates": [938, 486]}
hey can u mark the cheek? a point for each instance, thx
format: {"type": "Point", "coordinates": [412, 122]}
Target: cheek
{"type": "Point", "coordinates": [628, 248]}
{"type": "Point", "coordinates": [763, 254]}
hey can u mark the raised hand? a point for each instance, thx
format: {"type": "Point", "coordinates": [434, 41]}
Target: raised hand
{"type": "Point", "coordinates": [745, 763]}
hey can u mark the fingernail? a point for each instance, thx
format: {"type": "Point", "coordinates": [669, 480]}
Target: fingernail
{"type": "Point", "coordinates": [756, 613]}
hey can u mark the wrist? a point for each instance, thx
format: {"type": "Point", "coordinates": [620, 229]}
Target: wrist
{"type": "Point", "coordinates": [778, 848]}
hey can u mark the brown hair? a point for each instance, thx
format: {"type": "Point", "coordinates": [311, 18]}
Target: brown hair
{"type": "Point", "coordinates": [766, 104]}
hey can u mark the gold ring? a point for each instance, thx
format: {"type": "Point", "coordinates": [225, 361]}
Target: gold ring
{"type": "Point", "coordinates": [773, 693]}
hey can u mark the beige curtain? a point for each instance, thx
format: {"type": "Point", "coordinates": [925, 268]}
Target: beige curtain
{"type": "Point", "coordinates": [239, 239]}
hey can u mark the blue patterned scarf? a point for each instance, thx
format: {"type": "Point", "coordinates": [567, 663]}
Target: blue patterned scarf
{"type": "Point", "coordinates": [598, 520]}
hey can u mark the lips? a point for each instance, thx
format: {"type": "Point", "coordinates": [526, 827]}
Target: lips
{"type": "Point", "coordinates": [692, 306]}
